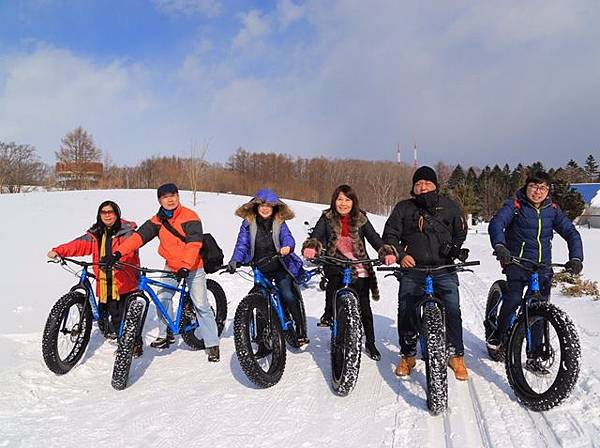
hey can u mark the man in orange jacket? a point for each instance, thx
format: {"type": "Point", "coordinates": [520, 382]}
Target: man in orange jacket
{"type": "Point", "coordinates": [182, 257]}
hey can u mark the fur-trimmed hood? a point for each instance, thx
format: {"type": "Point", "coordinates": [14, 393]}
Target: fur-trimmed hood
{"type": "Point", "coordinates": [281, 211]}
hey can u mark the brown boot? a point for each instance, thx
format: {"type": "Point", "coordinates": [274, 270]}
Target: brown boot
{"type": "Point", "coordinates": [457, 364]}
{"type": "Point", "coordinates": [406, 364]}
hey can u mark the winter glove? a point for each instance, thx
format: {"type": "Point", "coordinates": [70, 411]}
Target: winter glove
{"type": "Point", "coordinates": [503, 255]}
{"type": "Point", "coordinates": [309, 253]}
{"type": "Point", "coordinates": [231, 266]}
{"type": "Point", "coordinates": [182, 273]}
{"type": "Point", "coordinates": [110, 260]}
{"type": "Point", "coordinates": [574, 266]}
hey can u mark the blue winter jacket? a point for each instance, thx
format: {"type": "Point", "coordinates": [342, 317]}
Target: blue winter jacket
{"type": "Point", "coordinates": [527, 231]}
{"type": "Point", "coordinates": [282, 237]}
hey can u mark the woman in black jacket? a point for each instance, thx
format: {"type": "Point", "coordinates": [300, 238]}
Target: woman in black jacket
{"type": "Point", "coordinates": [341, 231]}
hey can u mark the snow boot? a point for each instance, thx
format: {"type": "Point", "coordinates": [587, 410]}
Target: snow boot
{"type": "Point", "coordinates": [162, 342]}
{"type": "Point", "coordinates": [406, 364]}
{"type": "Point", "coordinates": [325, 321]}
{"type": "Point", "coordinates": [213, 354]}
{"type": "Point", "coordinates": [536, 366]}
{"type": "Point", "coordinates": [457, 364]}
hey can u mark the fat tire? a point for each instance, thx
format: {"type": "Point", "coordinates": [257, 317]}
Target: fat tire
{"type": "Point", "coordinates": [492, 310]}
{"type": "Point", "coordinates": [192, 338]}
{"type": "Point", "coordinates": [50, 351]}
{"type": "Point", "coordinates": [569, 365]}
{"type": "Point", "coordinates": [131, 327]}
{"type": "Point", "coordinates": [346, 347]}
{"type": "Point", "coordinates": [243, 343]}
{"type": "Point", "coordinates": [436, 363]}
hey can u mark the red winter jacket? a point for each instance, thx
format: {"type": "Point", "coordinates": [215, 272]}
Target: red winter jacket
{"type": "Point", "coordinates": [88, 244]}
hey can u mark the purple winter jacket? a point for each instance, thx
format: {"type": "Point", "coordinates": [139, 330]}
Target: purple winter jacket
{"type": "Point", "coordinates": [282, 237]}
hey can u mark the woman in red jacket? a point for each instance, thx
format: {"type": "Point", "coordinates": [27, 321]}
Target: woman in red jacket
{"type": "Point", "coordinates": [103, 238]}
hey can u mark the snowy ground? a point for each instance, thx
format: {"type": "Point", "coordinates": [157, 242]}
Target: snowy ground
{"type": "Point", "coordinates": [176, 397]}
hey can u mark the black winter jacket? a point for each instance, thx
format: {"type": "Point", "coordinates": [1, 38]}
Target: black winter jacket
{"type": "Point", "coordinates": [421, 230]}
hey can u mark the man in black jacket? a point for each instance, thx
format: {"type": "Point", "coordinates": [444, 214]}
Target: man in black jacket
{"type": "Point", "coordinates": [428, 230]}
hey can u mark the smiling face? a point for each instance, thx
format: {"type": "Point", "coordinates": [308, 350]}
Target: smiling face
{"type": "Point", "coordinates": [108, 216]}
{"type": "Point", "coordinates": [169, 201]}
{"type": "Point", "coordinates": [423, 186]}
{"type": "Point", "coordinates": [343, 204]}
{"type": "Point", "coordinates": [265, 210]}
{"type": "Point", "coordinates": [537, 193]}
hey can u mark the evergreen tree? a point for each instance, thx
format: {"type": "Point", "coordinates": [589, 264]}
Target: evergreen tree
{"type": "Point", "coordinates": [591, 168]}
{"type": "Point", "coordinates": [471, 179]}
{"type": "Point", "coordinates": [456, 178]}
{"type": "Point", "coordinates": [569, 200]}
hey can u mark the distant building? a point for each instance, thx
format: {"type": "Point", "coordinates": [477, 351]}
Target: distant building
{"type": "Point", "coordinates": [591, 196]}
{"type": "Point", "coordinates": [587, 191]}
{"type": "Point", "coordinates": [73, 175]}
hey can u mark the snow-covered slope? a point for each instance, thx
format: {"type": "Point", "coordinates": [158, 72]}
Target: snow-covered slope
{"type": "Point", "coordinates": [176, 398]}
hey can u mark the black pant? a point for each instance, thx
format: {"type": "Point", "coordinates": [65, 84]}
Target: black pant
{"type": "Point", "coordinates": [361, 286]}
{"type": "Point", "coordinates": [288, 295]}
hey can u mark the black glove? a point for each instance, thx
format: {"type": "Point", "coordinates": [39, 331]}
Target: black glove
{"type": "Point", "coordinates": [231, 266]}
{"type": "Point", "coordinates": [503, 255]}
{"type": "Point", "coordinates": [574, 266]}
{"type": "Point", "coordinates": [182, 273]}
{"type": "Point", "coordinates": [111, 259]}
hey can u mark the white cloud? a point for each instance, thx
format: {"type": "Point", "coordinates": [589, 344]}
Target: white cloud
{"type": "Point", "coordinates": [209, 8]}
{"type": "Point", "coordinates": [255, 27]}
{"type": "Point", "coordinates": [288, 12]}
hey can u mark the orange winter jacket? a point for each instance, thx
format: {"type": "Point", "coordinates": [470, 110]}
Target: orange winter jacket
{"type": "Point", "coordinates": [126, 279]}
{"type": "Point", "coordinates": [178, 254]}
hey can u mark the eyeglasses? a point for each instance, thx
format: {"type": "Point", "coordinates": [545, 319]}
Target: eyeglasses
{"type": "Point", "coordinates": [541, 188]}
{"type": "Point", "coordinates": [107, 212]}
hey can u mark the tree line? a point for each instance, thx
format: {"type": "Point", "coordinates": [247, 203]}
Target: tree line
{"type": "Point", "coordinates": [380, 184]}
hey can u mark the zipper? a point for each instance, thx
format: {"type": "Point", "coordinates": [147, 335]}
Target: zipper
{"type": "Point", "coordinates": [539, 233]}
{"type": "Point", "coordinates": [522, 249]}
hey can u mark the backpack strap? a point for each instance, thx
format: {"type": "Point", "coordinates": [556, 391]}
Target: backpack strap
{"type": "Point", "coordinates": [165, 222]}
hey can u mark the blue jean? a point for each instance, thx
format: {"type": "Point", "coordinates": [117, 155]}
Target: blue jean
{"type": "Point", "coordinates": [284, 282]}
{"type": "Point", "coordinates": [196, 281]}
{"type": "Point", "coordinates": [517, 280]}
{"type": "Point", "coordinates": [410, 292]}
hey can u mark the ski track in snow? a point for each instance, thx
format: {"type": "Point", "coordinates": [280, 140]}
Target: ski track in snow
{"type": "Point", "coordinates": [176, 398]}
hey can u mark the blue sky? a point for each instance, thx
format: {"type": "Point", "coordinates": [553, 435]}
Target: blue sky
{"type": "Point", "coordinates": [469, 82]}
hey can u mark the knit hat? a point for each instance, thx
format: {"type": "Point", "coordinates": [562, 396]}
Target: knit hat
{"type": "Point", "coordinates": [166, 189]}
{"type": "Point", "coordinates": [425, 173]}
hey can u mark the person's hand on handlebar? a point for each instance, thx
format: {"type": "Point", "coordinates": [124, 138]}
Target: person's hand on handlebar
{"type": "Point", "coordinates": [309, 253]}
{"type": "Point", "coordinates": [52, 255]}
{"type": "Point", "coordinates": [231, 266]}
{"type": "Point", "coordinates": [285, 250]}
{"type": "Point", "coordinates": [408, 262]}
{"type": "Point", "coordinates": [574, 266]}
{"type": "Point", "coordinates": [389, 259]}
{"type": "Point", "coordinates": [110, 260]}
{"type": "Point", "coordinates": [503, 255]}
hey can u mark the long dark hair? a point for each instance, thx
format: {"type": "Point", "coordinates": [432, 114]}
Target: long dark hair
{"type": "Point", "coordinates": [349, 192]}
{"type": "Point", "coordinates": [98, 227]}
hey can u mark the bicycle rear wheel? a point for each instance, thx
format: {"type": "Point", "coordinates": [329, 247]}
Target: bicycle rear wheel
{"type": "Point", "coordinates": [434, 335]}
{"type": "Point", "coordinates": [67, 332]}
{"type": "Point", "coordinates": [557, 364]}
{"type": "Point", "coordinates": [259, 341]}
{"type": "Point", "coordinates": [346, 338]}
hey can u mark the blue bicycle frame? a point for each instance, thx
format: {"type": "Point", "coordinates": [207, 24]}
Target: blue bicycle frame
{"type": "Point", "coordinates": [346, 282]}
{"type": "Point", "coordinates": [270, 288]}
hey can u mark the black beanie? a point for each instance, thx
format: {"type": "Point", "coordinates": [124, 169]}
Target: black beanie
{"type": "Point", "coordinates": [166, 189]}
{"type": "Point", "coordinates": [425, 173]}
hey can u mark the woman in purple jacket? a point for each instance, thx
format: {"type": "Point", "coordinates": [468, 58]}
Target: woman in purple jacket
{"type": "Point", "coordinates": [264, 234]}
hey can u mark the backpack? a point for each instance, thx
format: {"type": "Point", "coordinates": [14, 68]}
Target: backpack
{"type": "Point", "coordinates": [211, 253]}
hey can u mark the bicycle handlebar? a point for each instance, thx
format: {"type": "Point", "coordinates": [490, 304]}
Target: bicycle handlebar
{"type": "Point", "coordinates": [145, 270]}
{"type": "Point", "coordinates": [457, 266]}
{"type": "Point", "coordinates": [335, 261]}
{"type": "Point", "coordinates": [85, 264]}
{"type": "Point", "coordinates": [536, 265]}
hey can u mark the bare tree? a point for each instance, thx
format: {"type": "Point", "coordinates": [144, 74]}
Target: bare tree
{"type": "Point", "coordinates": [19, 166]}
{"type": "Point", "coordinates": [197, 165]}
{"type": "Point", "coordinates": [79, 159]}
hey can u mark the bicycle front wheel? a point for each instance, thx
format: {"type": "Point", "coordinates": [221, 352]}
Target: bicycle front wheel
{"type": "Point", "coordinates": [67, 332]}
{"type": "Point", "coordinates": [434, 335]}
{"type": "Point", "coordinates": [346, 338]}
{"type": "Point", "coordinates": [259, 341]}
{"type": "Point", "coordinates": [132, 324]}
{"type": "Point", "coordinates": [544, 377]}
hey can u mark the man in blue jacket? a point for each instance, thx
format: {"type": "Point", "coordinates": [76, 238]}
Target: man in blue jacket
{"type": "Point", "coordinates": [524, 227]}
